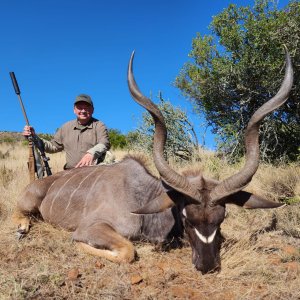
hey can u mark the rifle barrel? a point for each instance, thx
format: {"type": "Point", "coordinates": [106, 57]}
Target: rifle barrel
{"type": "Point", "coordinates": [18, 92]}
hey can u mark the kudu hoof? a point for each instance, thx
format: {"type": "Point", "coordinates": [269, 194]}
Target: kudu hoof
{"type": "Point", "coordinates": [20, 234]}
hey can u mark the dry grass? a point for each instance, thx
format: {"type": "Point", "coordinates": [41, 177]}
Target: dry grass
{"type": "Point", "coordinates": [260, 257]}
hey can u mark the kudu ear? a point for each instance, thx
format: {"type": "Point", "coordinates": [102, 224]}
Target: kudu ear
{"type": "Point", "coordinates": [248, 200]}
{"type": "Point", "coordinates": [159, 204]}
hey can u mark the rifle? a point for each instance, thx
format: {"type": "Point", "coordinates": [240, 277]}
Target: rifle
{"type": "Point", "coordinates": [34, 142]}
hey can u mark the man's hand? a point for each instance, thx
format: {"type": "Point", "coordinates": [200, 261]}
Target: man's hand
{"type": "Point", "coordinates": [87, 160]}
{"type": "Point", "coordinates": [28, 130]}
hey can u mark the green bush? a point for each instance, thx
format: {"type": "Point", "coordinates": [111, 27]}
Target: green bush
{"type": "Point", "coordinates": [117, 139]}
{"type": "Point", "coordinates": [181, 137]}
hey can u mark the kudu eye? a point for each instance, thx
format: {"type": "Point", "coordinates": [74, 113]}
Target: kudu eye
{"type": "Point", "coordinates": [212, 203]}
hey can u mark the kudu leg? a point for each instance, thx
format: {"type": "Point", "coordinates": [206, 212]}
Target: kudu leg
{"type": "Point", "coordinates": [28, 204]}
{"type": "Point", "coordinates": [22, 221]}
{"type": "Point", "coordinates": [102, 240]}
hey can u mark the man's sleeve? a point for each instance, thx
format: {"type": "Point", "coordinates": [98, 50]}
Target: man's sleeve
{"type": "Point", "coordinates": [103, 143]}
{"type": "Point", "coordinates": [56, 144]}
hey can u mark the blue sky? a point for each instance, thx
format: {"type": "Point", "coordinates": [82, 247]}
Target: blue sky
{"type": "Point", "coordinates": [61, 48]}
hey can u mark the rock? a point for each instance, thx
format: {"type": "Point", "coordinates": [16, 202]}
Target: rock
{"type": "Point", "coordinates": [99, 265]}
{"type": "Point", "coordinates": [292, 266]}
{"type": "Point", "coordinates": [290, 250]}
{"type": "Point", "coordinates": [73, 274]}
{"type": "Point", "coordinates": [135, 279]}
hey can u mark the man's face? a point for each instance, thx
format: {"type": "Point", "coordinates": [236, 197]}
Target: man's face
{"type": "Point", "coordinates": [83, 111]}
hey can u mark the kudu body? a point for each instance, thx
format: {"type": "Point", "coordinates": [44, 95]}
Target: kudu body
{"type": "Point", "coordinates": [107, 206]}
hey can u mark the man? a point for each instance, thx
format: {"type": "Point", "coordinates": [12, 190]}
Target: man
{"type": "Point", "coordinates": [85, 140]}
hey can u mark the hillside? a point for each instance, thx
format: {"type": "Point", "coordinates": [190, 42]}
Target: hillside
{"type": "Point", "coordinates": [10, 136]}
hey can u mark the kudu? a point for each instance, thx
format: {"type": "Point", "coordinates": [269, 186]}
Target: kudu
{"type": "Point", "coordinates": [107, 206]}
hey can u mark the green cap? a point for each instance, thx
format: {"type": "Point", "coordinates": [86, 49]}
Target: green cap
{"type": "Point", "coordinates": [84, 98]}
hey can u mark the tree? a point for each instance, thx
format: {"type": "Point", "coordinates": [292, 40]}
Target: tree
{"type": "Point", "coordinates": [117, 139]}
{"type": "Point", "coordinates": [238, 67]}
{"type": "Point", "coordinates": [181, 139]}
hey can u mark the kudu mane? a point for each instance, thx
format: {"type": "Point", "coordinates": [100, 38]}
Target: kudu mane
{"type": "Point", "coordinates": [144, 161]}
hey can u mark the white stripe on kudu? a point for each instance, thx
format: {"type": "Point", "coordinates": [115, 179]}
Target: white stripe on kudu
{"type": "Point", "coordinates": [206, 239]}
{"type": "Point", "coordinates": [91, 189]}
{"type": "Point", "coordinates": [77, 188]}
{"type": "Point", "coordinates": [57, 194]}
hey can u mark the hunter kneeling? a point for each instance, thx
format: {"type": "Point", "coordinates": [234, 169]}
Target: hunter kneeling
{"type": "Point", "coordinates": [85, 140]}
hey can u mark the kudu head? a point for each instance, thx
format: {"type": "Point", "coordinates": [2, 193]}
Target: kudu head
{"type": "Point", "coordinates": [200, 200]}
